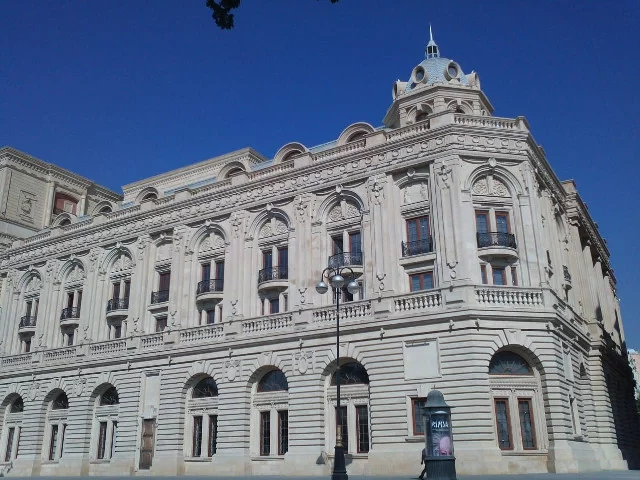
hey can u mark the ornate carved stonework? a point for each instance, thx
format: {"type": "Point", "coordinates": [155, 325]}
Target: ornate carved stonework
{"type": "Point", "coordinates": [232, 369]}
{"type": "Point", "coordinates": [76, 274]}
{"type": "Point", "coordinates": [163, 252]}
{"type": "Point", "coordinates": [123, 263]}
{"type": "Point", "coordinates": [343, 211]}
{"type": "Point", "coordinates": [273, 226]}
{"type": "Point", "coordinates": [34, 285]}
{"type": "Point", "coordinates": [213, 241]}
{"type": "Point", "coordinates": [490, 186]}
{"type": "Point", "coordinates": [416, 192]}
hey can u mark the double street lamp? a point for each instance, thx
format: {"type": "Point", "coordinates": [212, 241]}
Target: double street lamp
{"type": "Point", "coordinates": [336, 278]}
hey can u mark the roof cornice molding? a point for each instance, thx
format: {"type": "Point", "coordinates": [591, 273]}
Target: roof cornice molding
{"type": "Point", "coordinates": [10, 156]}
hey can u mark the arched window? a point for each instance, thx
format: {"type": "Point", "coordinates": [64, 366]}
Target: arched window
{"type": "Point", "coordinates": [65, 222]}
{"type": "Point", "coordinates": [105, 210]}
{"type": "Point", "coordinates": [509, 363]}
{"type": "Point", "coordinates": [270, 415]}
{"type": "Point", "coordinates": [273, 284]}
{"type": "Point", "coordinates": [517, 403]}
{"type": "Point", "coordinates": [351, 373]}
{"type": "Point", "coordinates": [105, 424]}
{"type": "Point", "coordinates": [352, 416]}
{"type": "Point", "coordinates": [273, 381]}
{"type": "Point", "coordinates": [56, 427]}
{"type": "Point", "coordinates": [61, 402]}
{"type": "Point", "coordinates": [201, 428]}
{"type": "Point", "coordinates": [12, 427]}
{"type": "Point", "coordinates": [205, 388]}
{"type": "Point", "coordinates": [110, 397]}
{"type": "Point", "coordinates": [356, 136]}
{"type": "Point", "coordinates": [149, 197]}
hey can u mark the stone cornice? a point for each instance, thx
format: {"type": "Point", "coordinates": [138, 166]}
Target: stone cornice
{"type": "Point", "coordinates": [11, 157]}
{"type": "Point", "coordinates": [195, 171]}
{"type": "Point", "coordinates": [402, 149]}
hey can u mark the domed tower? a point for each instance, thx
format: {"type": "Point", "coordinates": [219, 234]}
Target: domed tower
{"type": "Point", "coordinates": [436, 85]}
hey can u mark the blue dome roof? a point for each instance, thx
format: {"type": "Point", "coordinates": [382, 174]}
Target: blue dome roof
{"type": "Point", "coordinates": [435, 68]}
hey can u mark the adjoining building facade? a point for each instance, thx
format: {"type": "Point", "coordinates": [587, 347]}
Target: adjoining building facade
{"type": "Point", "coordinates": [181, 333]}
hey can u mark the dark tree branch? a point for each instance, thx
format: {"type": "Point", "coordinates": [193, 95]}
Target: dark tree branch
{"type": "Point", "coordinates": [222, 12]}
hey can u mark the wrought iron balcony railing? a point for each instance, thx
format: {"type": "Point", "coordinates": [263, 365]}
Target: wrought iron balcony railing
{"type": "Point", "coordinates": [273, 273]}
{"type": "Point", "coordinates": [345, 259]}
{"type": "Point", "coordinates": [212, 285]}
{"type": "Point", "coordinates": [496, 239]}
{"type": "Point", "coordinates": [27, 322]}
{"type": "Point", "coordinates": [424, 245]}
{"type": "Point", "coordinates": [160, 296]}
{"type": "Point", "coordinates": [70, 313]}
{"type": "Point", "coordinates": [567, 275]}
{"type": "Point", "coordinates": [118, 304]}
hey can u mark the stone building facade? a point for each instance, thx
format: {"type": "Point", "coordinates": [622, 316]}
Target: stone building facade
{"type": "Point", "coordinates": [35, 195]}
{"type": "Point", "coordinates": [181, 332]}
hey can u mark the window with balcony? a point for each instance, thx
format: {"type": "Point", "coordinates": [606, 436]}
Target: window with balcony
{"type": "Point", "coordinates": [493, 229]}
{"type": "Point", "coordinates": [418, 237]}
{"type": "Point", "coordinates": [273, 279]}
{"type": "Point", "coordinates": [349, 256]}
{"type": "Point", "coordinates": [164, 283]}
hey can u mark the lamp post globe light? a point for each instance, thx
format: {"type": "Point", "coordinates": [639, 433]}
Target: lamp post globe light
{"type": "Point", "coordinates": [336, 277]}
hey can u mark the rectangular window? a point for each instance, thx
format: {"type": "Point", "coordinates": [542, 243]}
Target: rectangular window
{"type": "Point", "coordinates": [502, 222]}
{"type": "Point", "coordinates": [213, 435]}
{"type": "Point", "coordinates": [526, 424]}
{"type": "Point", "coordinates": [421, 281]}
{"type": "Point", "coordinates": [514, 277]}
{"type": "Point", "coordinates": [114, 432]}
{"type": "Point", "coordinates": [28, 311]}
{"type": "Point", "coordinates": [362, 422]}
{"type": "Point", "coordinates": [116, 290]}
{"type": "Point", "coordinates": [102, 440]}
{"type": "Point", "coordinates": [220, 270]}
{"type": "Point", "coordinates": [274, 305]}
{"type": "Point", "coordinates": [283, 432]}
{"type": "Point", "coordinates": [483, 274]}
{"type": "Point", "coordinates": [10, 435]}
{"type": "Point", "coordinates": [117, 331]}
{"type": "Point", "coordinates": [205, 275]}
{"type": "Point", "coordinates": [53, 443]}
{"type": "Point", "coordinates": [161, 324]}
{"type": "Point", "coordinates": [164, 281]}
{"type": "Point", "coordinates": [499, 277]}
{"type": "Point", "coordinates": [338, 244]}
{"type": "Point", "coordinates": [79, 300]}
{"type": "Point", "coordinates": [36, 305]}
{"type": "Point", "coordinates": [127, 288]}
{"type": "Point", "coordinates": [283, 257]}
{"type": "Point", "coordinates": [265, 434]}
{"type": "Point", "coordinates": [417, 405]}
{"type": "Point", "coordinates": [211, 316]}
{"type": "Point", "coordinates": [355, 242]}
{"type": "Point", "coordinates": [503, 424]}
{"type": "Point", "coordinates": [70, 300]}
{"type": "Point", "coordinates": [482, 221]}
{"type": "Point", "coordinates": [341, 424]}
{"type": "Point", "coordinates": [69, 339]}
{"type": "Point", "coordinates": [417, 229]}
{"type": "Point", "coordinates": [27, 345]}
{"type": "Point", "coordinates": [197, 436]}
{"type": "Point", "coordinates": [267, 259]}
{"type": "Point", "coordinates": [64, 431]}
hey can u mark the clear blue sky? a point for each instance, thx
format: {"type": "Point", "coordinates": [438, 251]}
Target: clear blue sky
{"type": "Point", "coordinates": [121, 90]}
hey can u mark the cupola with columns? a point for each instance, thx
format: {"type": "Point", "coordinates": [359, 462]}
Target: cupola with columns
{"type": "Point", "coordinates": [437, 85]}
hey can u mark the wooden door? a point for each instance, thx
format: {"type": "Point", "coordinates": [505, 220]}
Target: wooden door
{"type": "Point", "coordinates": [148, 439]}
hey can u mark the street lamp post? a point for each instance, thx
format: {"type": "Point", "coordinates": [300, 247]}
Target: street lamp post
{"type": "Point", "coordinates": [336, 278]}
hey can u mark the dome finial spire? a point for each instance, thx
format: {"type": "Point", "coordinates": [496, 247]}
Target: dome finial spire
{"type": "Point", "coordinates": [432, 48]}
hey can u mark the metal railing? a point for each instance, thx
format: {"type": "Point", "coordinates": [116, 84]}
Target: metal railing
{"type": "Point", "coordinates": [424, 245]}
{"type": "Point", "coordinates": [118, 304]}
{"type": "Point", "coordinates": [211, 285]}
{"type": "Point", "coordinates": [69, 313]}
{"type": "Point", "coordinates": [160, 296]}
{"type": "Point", "coordinates": [273, 273]}
{"type": "Point", "coordinates": [496, 239]}
{"type": "Point", "coordinates": [27, 322]}
{"type": "Point", "coordinates": [345, 259]}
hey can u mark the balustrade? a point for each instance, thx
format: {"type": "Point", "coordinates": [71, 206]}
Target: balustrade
{"type": "Point", "coordinates": [496, 239]}
{"type": "Point", "coordinates": [117, 304]}
{"type": "Point", "coordinates": [418, 301]}
{"type": "Point", "coordinates": [348, 311]}
{"type": "Point", "coordinates": [509, 296]}
{"type": "Point", "coordinates": [70, 313]}
{"type": "Point", "coordinates": [27, 322]}
{"type": "Point", "coordinates": [267, 324]}
{"type": "Point", "coordinates": [345, 259]}
{"type": "Point", "coordinates": [273, 273]}
{"type": "Point", "coordinates": [160, 296]}
{"type": "Point", "coordinates": [417, 247]}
